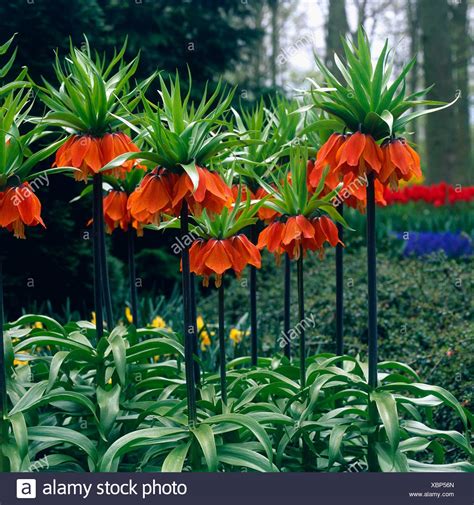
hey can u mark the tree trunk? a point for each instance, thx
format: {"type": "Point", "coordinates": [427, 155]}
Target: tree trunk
{"type": "Point", "coordinates": [336, 27]}
{"type": "Point", "coordinates": [257, 60]}
{"type": "Point", "coordinates": [461, 52]}
{"type": "Point", "coordinates": [438, 69]}
{"type": "Point", "coordinates": [275, 41]}
{"type": "Point", "coordinates": [413, 33]}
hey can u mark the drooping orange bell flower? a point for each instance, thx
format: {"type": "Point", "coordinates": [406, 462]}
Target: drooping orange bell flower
{"type": "Point", "coordinates": [116, 213]}
{"type": "Point", "coordinates": [89, 154]}
{"type": "Point", "coordinates": [152, 197]}
{"type": "Point", "coordinates": [115, 144]}
{"type": "Point", "coordinates": [348, 158]}
{"type": "Point", "coordinates": [212, 193]}
{"type": "Point", "coordinates": [270, 237]}
{"type": "Point", "coordinates": [315, 173]}
{"type": "Point", "coordinates": [19, 206]}
{"type": "Point", "coordinates": [326, 157]}
{"type": "Point", "coordinates": [354, 192]}
{"type": "Point", "coordinates": [359, 153]}
{"type": "Point", "coordinates": [207, 257]}
{"type": "Point", "coordinates": [400, 161]}
{"type": "Point", "coordinates": [298, 235]}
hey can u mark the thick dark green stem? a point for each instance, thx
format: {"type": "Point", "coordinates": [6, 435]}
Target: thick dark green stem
{"type": "Point", "coordinates": [299, 274]}
{"type": "Point", "coordinates": [372, 283]}
{"type": "Point", "coordinates": [4, 463]}
{"type": "Point", "coordinates": [98, 297]}
{"type": "Point", "coordinates": [132, 276]}
{"type": "Point", "coordinates": [222, 344]}
{"type": "Point", "coordinates": [253, 302]}
{"type": "Point", "coordinates": [104, 269]}
{"type": "Point", "coordinates": [197, 372]}
{"type": "Point", "coordinates": [287, 302]}
{"type": "Point", "coordinates": [372, 327]}
{"type": "Point", "coordinates": [340, 288]}
{"type": "Point", "coordinates": [188, 326]}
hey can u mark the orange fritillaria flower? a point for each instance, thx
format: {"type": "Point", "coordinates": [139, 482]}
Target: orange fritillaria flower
{"type": "Point", "coordinates": [212, 193]}
{"type": "Point", "coordinates": [89, 154]}
{"type": "Point", "coordinates": [348, 157]}
{"type": "Point", "coordinates": [359, 153]}
{"type": "Point", "coordinates": [207, 257]}
{"type": "Point", "coordinates": [19, 206]}
{"type": "Point", "coordinates": [298, 235]}
{"type": "Point", "coordinates": [115, 144]}
{"type": "Point", "coordinates": [326, 156]}
{"type": "Point", "coordinates": [270, 237]}
{"type": "Point", "coordinates": [152, 197]}
{"type": "Point", "coordinates": [314, 175]}
{"type": "Point", "coordinates": [400, 161]}
{"type": "Point", "coordinates": [116, 213]}
{"type": "Point", "coordinates": [354, 192]}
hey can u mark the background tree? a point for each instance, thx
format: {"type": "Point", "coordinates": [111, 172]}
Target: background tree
{"type": "Point", "coordinates": [462, 44]}
{"type": "Point", "coordinates": [438, 68]}
{"type": "Point", "coordinates": [336, 27]}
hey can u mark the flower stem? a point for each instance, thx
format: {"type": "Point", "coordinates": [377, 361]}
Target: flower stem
{"type": "Point", "coordinates": [253, 302]}
{"type": "Point", "coordinates": [132, 276]}
{"type": "Point", "coordinates": [372, 282]}
{"type": "Point", "coordinates": [340, 288]}
{"type": "Point", "coordinates": [372, 327]}
{"type": "Point", "coordinates": [98, 296]}
{"type": "Point", "coordinates": [103, 262]}
{"type": "Point", "coordinates": [222, 344]}
{"type": "Point", "coordinates": [287, 301]}
{"type": "Point", "coordinates": [188, 326]}
{"type": "Point", "coordinates": [197, 372]}
{"type": "Point", "coordinates": [299, 274]}
{"type": "Point", "coordinates": [4, 462]}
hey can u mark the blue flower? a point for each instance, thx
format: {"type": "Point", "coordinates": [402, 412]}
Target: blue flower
{"type": "Point", "coordinates": [454, 245]}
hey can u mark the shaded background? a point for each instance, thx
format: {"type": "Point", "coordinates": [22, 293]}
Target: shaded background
{"type": "Point", "coordinates": [263, 47]}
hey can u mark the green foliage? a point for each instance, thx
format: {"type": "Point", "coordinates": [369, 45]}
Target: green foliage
{"type": "Point", "coordinates": [119, 404]}
{"type": "Point", "coordinates": [230, 221]}
{"type": "Point", "coordinates": [93, 93]}
{"type": "Point", "coordinates": [9, 86]}
{"type": "Point", "coordinates": [290, 195]}
{"type": "Point", "coordinates": [423, 317]}
{"type": "Point", "coordinates": [179, 134]}
{"type": "Point", "coordinates": [267, 134]}
{"type": "Point", "coordinates": [369, 99]}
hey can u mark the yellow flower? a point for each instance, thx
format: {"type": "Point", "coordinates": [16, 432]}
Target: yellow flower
{"type": "Point", "coordinates": [20, 362]}
{"type": "Point", "coordinates": [204, 336]}
{"type": "Point", "coordinates": [236, 335]}
{"type": "Point", "coordinates": [38, 324]}
{"type": "Point", "coordinates": [128, 315]}
{"type": "Point", "coordinates": [205, 340]}
{"type": "Point", "coordinates": [158, 322]}
{"type": "Point", "coordinates": [93, 318]}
